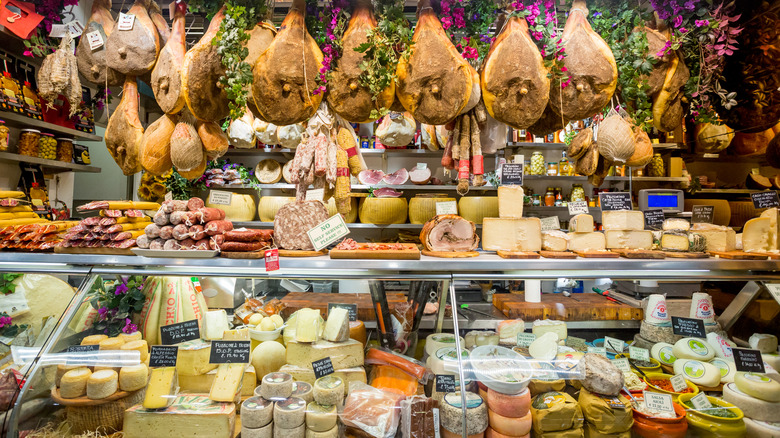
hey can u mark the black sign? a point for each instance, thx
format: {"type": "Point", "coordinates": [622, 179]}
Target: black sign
{"type": "Point", "coordinates": [654, 219]}
{"type": "Point", "coordinates": [703, 214]}
{"type": "Point", "coordinates": [765, 199]}
{"type": "Point", "coordinates": [689, 327]}
{"type": "Point", "coordinates": [230, 351]}
{"type": "Point", "coordinates": [512, 174]}
{"type": "Point", "coordinates": [322, 367]}
{"type": "Point", "coordinates": [352, 308]}
{"type": "Point", "coordinates": [163, 356]}
{"type": "Point", "coordinates": [613, 201]}
{"type": "Point", "coordinates": [749, 361]}
{"type": "Point", "coordinates": [82, 348]}
{"type": "Point", "coordinates": [181, 332]}
{"type": "Point", "coordinates": [445, 383]}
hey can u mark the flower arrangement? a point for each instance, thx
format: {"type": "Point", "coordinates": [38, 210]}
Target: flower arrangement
{"type": "Point", "coordinates": [542, 19]}
{"type": "Point", "coordinates": [116, 302]}
{"type": "Point", "coordinates": [8, 329]}
{"type": "Point", "coordinates": [327, 28]}
{"type": "Point", "coordinates": [468, 23]}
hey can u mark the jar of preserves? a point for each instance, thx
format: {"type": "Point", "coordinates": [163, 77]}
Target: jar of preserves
{"type": "Point", "coordinates": [552, 168]}
{"type": "Point", "coordinates": [537, 163]}
{"type": "Point", "coordinates": [4, 134]}
{"type": "Point", "coordinates": [549, 197]}
{"type": "Point", "coordinates": [656, 167]}
{"type": "Point", "coordinates": [28, 142]}
{"type": "Point", "coordinates": [577, 193]}
{"type": "Point", "coordinates": [65, 150]}
{"type": "Point", "coordinates": [47, 147]}
{"type": "Point", "coordinates": [537, 200]}
{"type": "Point", "coordinates": [558, 198]}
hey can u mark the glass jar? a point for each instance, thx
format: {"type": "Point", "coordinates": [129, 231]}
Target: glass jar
{"type": "Point", "coordinates": [3, 136]}
{"type": "Point", "coordinates": [537, 163]}
{"type": "Point", "coordinates": [537, 200]}
{"type": "Point", "coordinates": [577, 193]}
{"type": "Point", "coordinates": [65, 150]}
{"type": "Point", "coordinates": [558, 198]}
{"type": "Point", "coordinates": [549, 197]}
{"type": "Point", "coordinates": [527, 167]}
{"type": "Point", "coordinates": [47, 147]}
{"type": "Point", "coordinates": [552, 168]}
{"type": "Point", "coordinates": [28, 142]}
{"type": "Point", "coordinates": [564, 169]}
{"type": "Point", "coordinates": [656, 167]}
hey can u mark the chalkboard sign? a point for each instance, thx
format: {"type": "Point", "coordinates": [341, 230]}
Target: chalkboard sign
{"type": "Point", "coordinates": [654, 219]}
{"type": "Point", "coordinates": [230, 351]}
{"type": "Point", "coordinates": [82, 348]}
{"type": "Point", "coordinates": [765, 199]}
{"type": "Point", "coordinates": [512, 174]}
{"type": "Point", "coordinates": [322, 367]}
{"type": "Point", "coordinates": [445, 383]}
{"type": "Point", "coordinates": [689, 327]}
{"type": "Point", "coordinates": [749, 361]}
{"type": "Point", "coordinates": [613, 201]}
{"type": "Point", "coordinates": [181, 332]}
{"type": "Point", "coordinates": [351, 308]}
{"type": "Point", "coordinates": [703, 214]}
{"type": "Point", "coordinates": [163, 356]}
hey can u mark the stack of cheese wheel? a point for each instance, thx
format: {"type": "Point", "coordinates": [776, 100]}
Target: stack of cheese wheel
{"type": "Point", "coordinates": [758, 396]}
{"type": "Point", "coordinates": [451, 411]}
{"type": "Point", "coordinates": [509, 415]}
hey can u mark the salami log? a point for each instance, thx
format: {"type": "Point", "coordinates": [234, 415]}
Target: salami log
{"type": "Point", "coordinates": [166, 232]}
{"type": "Point", "coordinates": [211, 214]}
{"type": "Point", "coordinates": [197, 232]}
{"type": "Point", "coordinates": [195, 204]}
{"type": "Point", "coordinates": [244, 246]}
{"type": "Point", "coordinates": [111, 213]}
{"type": "Point", "coordinates": [293, 220]}
{"type": "Point", "coordinates": [249, 235]}
{"type": "Point", "coordinates": [181, 232]}
{"type": "Point", "coordinates": [218, 227]}
{"type": "Point", "coordinates": [152, 230]}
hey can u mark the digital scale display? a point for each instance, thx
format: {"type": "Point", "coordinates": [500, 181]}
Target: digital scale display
{"type": "Point", "coordinates": [662, 200]}
{"type": "Point", "coordinates": [666, 199]}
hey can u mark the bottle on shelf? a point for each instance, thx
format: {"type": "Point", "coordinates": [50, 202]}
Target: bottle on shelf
{"type": "Point", "coordinates": [558, 197]}
{"type": "Point", "coordinates": [564, 167]}
{"type": "Point", "coordinates": [577, 193]}
{"type": "Point", "coordinates": [552, 168]}
{"type": "Point", "coordinates": [549, 197]}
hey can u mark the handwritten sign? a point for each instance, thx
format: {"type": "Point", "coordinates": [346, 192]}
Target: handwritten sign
{"type": "Point", "coordinates": [525, 339]}
{"type": "Point", "coordinates": [689, 327]}
{"type": "Point", "coordinates": [230, 351]}
{"type": "Point", "coordinates": [701, 402]}
{"type": "Point", "coordinates": [551, 223]}
{"type": "Point", "coordinates": [746, 360]}
{"type": "Point", "coordinates": [322, 367]}
{"type": "Point", "coordinates": [678, 383]}
{"type": "Point", "coordinates": [622, 364]}
{"type": "Point", "coordinates": [702, 214]}
{"type": "Point", "coordinates": [351, 308]}
{"type": "Point", "coordinates": [82, 348]}
{"type": "Point", "coordinates": [445, 383]}
{"type": "Point", "coordinates": [614, 201]}
{"type": "Point", "coordinates": [658, 402]}
{"type": "Point", "coordinates": [181, 332]}
{"type": "Point", "coordinates": [446, 207]}
{"type": "Point", "coordinates": [328, 232]}
{"type": "Point", "coordinates": [765, 199]}
{"type": "Point", "coordinates": [163, 356]}
{"type": "Point", "coordinates": [578, 207]}
{"type": "Point", "coordinates": [654, 219]}
{"type": "Point", "coordinates": [637, 353]}
{"type": "Point", "coordinates": [512, 174]}
{"type": "Point", "coordinates": [220, 197]}
{"type": "Point", "coordinates": [598, 350]}
{"type": "Point", "coordinates": [614, 344]}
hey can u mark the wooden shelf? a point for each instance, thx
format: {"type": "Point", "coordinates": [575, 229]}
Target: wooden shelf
{"type": "Point", "coordinates": [357, 225]}
{"type": "Point", "coordinates": [22, 122]}
{"type": "Point", "coordinates": [53, 166]}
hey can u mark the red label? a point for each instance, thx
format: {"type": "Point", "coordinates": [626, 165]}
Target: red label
{"type": "Point", "coordinates": [463, 169]}
{"type": "Point", "coordinates": [477, 164]}
{"type": "Point", "coordinates": [342, 171]}
{"type": "Point", "coordinates": [272, 260]}
{"type": "Point", "coordinates": [351, 152]}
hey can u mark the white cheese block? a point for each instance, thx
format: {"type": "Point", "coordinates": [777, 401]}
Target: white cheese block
{"type": "Point", "coordinates": [727, 369]}
{"type": "Point", "coordinates": [303, 390]}
{"type": "Point", "coordinates": [321, 418]}
{"type": "Point", "coordinates": [510, 201]}
{"type": "Point", "coordinates": [133, 378]}
{"type": "Point", "coordinates": [752, 407]}
{"type": "Point", "coordinates": [721, 345]}
{"type": "Point", "coordinates": [347, 354]}
{"type": "Point", "coordinates": [337, 325]}
{"type": "Point", "coordinates": [542, 326]}
{"type": "Point", "coordinates": [296, 432]}
{"type": "Point", "coordinates": [215, 322]}
{"type": "Point", "coordinates": [662, 352]}
{"type": "Point", "coordinates": [761, 428]}
{"type": "Point", "coordinates": [672, 224]}
{"type": "Point", "coordinates": [308, 325]}
{"type": "Point", "coordinates": [544, 347]}
{"type": "Point", "coordinates": [693, 348]}
{"type": "Point", "coordinates": [554, 240]}
{"type": "Point", "coordinates": [629, 239]}
{"type": "Point", "coordinates": [256, 412]}
{"type": "Point", "coordinates": [717, 238]}
{"type": "Point", "coordinates": [698, 372]}
{"type": "Point", "coordinates": [759, 386]}
{"type": "Point", "coordinates": [773, 359]}
{"type": "Point", "coordinates": [227, 382]}
{"type": "Point", "coordinates": [289, 413]}
{"type": "Point", "coordinates": [73, 383]}
{"type": "Point", "coordinates": [755, 235]}
{"type": "Point", "coordinates": [765, 343]}
{"type": "Point", "coordinates": [478, 338]}
{"type": "Point", "coordinates": [102, 384]}
{"type": "Point", "coordinates": [774, 235]}
{"type": "Point", "coordinates": [623, 220]}
{"type": "Point", "coordinates": [587, 241]}
{"type": "Point", "coordinates": [333, 433]}
{"type": "Point", "coordinates": [508, 330]}
{"type": "Point", "coordinates": [191, 416]}
{"type": "Point", "coordinates": [276, 386]}
{"type": "Point", "coordinates": [512, 234]}
{"type": "Point", "coordinates": [329, 390]}
{"type": "Point", "coordinates": [266, 431]}
{"type": "Point", "coordinates": [139, 346]}
{"type": "Point", "coordinates": [581, 223]}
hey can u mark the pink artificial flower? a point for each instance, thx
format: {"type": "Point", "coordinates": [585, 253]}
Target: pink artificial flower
{"type": "Point", "coordinates": [700, 23]}
{"type": "Point", "coordinates": [678, 21]}
{"type": "Point", "coordinates": [564, 69]}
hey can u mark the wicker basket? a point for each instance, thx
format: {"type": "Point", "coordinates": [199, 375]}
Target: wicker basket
{"type": "Point", "coordinates": [106, 416]}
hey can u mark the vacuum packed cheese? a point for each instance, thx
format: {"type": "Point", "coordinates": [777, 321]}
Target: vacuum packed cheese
{"type": "Point", "coordinates": [728, 370]}
{"type": "Point", "coordinates": [308, 325]}
{"type": "Point", "coordinates": [345, 354]}
{"type": "Point", "coordinates": [478, 338]}
{"type": "Point", "coordinates": [202, 383]}
{"type": "Point", "coordinates": [276, 386]}
{"type": "Point", "coordinates": [289, 413]}
{"type": "Point", "coordinates": [555, 411]}
{"type": "Point", "coordinates": [721, 345]}
{"type": "Point", "coordinates": [188, 415]}
{"type": "Point", "coordinates": [133, 378]}
{"type": "Point", "coordinates": [623, 220]}
{"type": "Point", "coordinates": [510, 201]}
{"type": "Point", "coordinates": [511, 234]}
{"type": "Point", "coordinates": [74, 383]}
{"type": "Point", "coordinates": [693, 348]}
{"type": "Point", "coordinates": [256, 412]}
{"type": "Point", "coordinates": [631, 239]}
{"type": "Point", "coordinates": [587, 241]}
{"type": "Point", "coordinates": [329, 390]}
{"type": "Point", "coordinates": [435, 341]}
{"type": "Point", "coordinates": [606, 414]}
{"type": "Point", "coordinates": [161, 391]}
{"type": "Point", "coordinates": [698, 372]}
{"type": "Point", "coordinates": [102, 384]}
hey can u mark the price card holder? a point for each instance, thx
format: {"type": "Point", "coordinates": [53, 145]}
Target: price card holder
{"type": "Point", "coordinates": [658, 402]}
{"type": "Point", "coordinates": [82, 348]}
{"type": "Point", "coordinates": [598, 350]}
{"type": "Point", "coordinates": [75, 29]}
{"type": "Point", "coordinates": [271, 259]}
{"type": "Point", "coordinates": [181, 332]}
{"type": "Point", "coordinates": [637, 353]}
{"type": "Point", "coordinates": [445, 383]}
{"type": "Point", "coordinates": [578, 207]}
{"type": "Point", "coordinates": [422, 165]}
{"type": "Point", "coordinates": [614, 201]}
{"type": "Point", "coordinates": [163, 356]}
{"type": "Point", "coordinates": [654, 219]}
{"type": "Point", "coordinates": [220, 197]}
{"type": "Point", "coordinates": [525, 339]}
{"type": "Point", "coordinates": [328, 232]}
{"type": "Point", "coordinates": [701, 402]}
{"type": "Point", "coordinates": [446, 207]}
{"type": "Point", "coordinates": [746, 360]}
{"type": "Point", "coordinates": [614, 344]}
{"type": "Point", "coordinates": [95, 40]}
{"type": "Point", "coordinates": [230, 351]}
{"type": "Point", "coordinates": [80, 352]}
{"type": "Point", "coordinates": [622, 364]}
{"type": "Point", "coordinates": [678, 383]}
{"type": "Point", "coordinates": [512, 174]}
{"type": "Point", "coordinates": [765, 199]}
{"type": "Point", "coordinates": [688, 327]}
{"type": "Point", "coordinates": [702, 214]}
{"type": "Point", "coordinates": [125, 21]}
{"type": "Point", "coordinates": [351, 308]}
{"type": "Point", "coordinates": [322, 367]}
{"type": "Point", "coordinates": [551, 223]}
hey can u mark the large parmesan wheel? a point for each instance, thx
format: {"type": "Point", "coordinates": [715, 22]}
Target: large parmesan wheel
{"type": "Point", "coordinates": [382, 211]}
{"type": "Point", "coordinates": [269, 205]}
{"type": "Point", "coordinates": [46, 295]}
{"type": "Point", "coordinates": [423, 208]}
{"type": "Point", "coordinates": [477, 208]}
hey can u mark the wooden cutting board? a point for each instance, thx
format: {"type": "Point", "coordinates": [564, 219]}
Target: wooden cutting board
{"type": "Point", "coordinates": [597, 254]}
{"type": "Point", "coordinates": [410, 252]}
{"type": "Point", "coordinates": [84, 401]}
{"type": "Point", "coordinates": [301, 253]}
{"type": "Point", "coordinates": [686, 255]}
{"type": "Point", "coordinates": [518, 254]}
{"type": "Point", "coordinates": [94, 251]}
{"type": "Point", "coordinates": [295, 301]}
{"type": "Point", "coordinates": [242, 254]}
{"type": "Point", "coordinates": [558, 254]}
{"type": "Point", "coordinates": [588, 307]}
{"type": "Point", "coordinates": [639, 253]}
{"type": "Point", "coordinates": [739, 255]}
{"type": "Point", "coordinates": [450, 254]}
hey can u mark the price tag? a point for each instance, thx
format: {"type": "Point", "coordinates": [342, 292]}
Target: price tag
{"type": "Point", "coordinates": [422, 165]}
{"type": "Point", "coordinates": [220, 197]}
{"type": "Point", "coordinates": [551, 223]}
{"type": "Point", "coordinates": [315, 195]}
{"type": "Point", "coordinates": [445, 383]}
{"type": "Point", "coordinates": [163, 356]}
{"type": "Point", "coordinates": [678, 383]}
{"type": "Point", "coordinates": [446, 207]}
{"type": "Point", "coordinates": [702, 214]}
{"type": "Point", "coordinates": [765, 199]}
{"type": "Point", "coordinates": [622, 364]}
{"type": "Point", "coordinates": [658, 402]}
{"type": "Point", "coordinates": [701, 402]}
{"type": "Point", "coordinates": [328, 232]}
{"type": "Point", "coordinates": [598, 350]}
{"type": "Point", "coordinates": [613, 201]}
{"type": "Point", "coordinates": [436, 433]}
{"type": "Point", "coordinates": [181, 332]}
{"type": "Point", "coordinates": [351, 308]}
{"type": "Point", "coordinates": [322, 367]}
{"type": "Point", "coordinates": [125, 21]}
{"type": "Point", "coordinates": [230, 351]}
{"type": "Point", "coordinates": [689, 327]}
{"type": "Point", "coordinates": [614, 344]}
{"type": "Point", "coordinates": [512, 174]}
{"type": "Point", "coordinates": [525, 339]}
{"type": "Point", "coordinates": [169, 195]}
{"type": "Point", "coordinates": [746, 360]}
{"type": "Point", "coordinates": [637, 353]}
{"type": "Point", "coordinates": [82, 348]}
{"type": "Point", "coordinates": [75, 29]}
{"type": "Point", "coordinates": [578, 207]}
{"type": "Point", "coordinates": [774, 290]}
{"type": "Point", "coordinates": [271, 260]}
{"type": "Point", "coordinates": [654, 219]}
{"type": "Point", "coordinates": [57, 31]}
{"type": "Point", "coordinates": [196, 284]}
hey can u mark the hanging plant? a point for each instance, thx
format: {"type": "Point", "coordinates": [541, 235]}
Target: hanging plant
{"type": "Point", "coordinates": [542, 19]}
{"type": "Point", "coordinates": [468, 25]}
{"type": "Point", "coordinates": [327, 27]}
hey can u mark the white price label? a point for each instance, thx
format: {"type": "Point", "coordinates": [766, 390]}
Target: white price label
{"type": "Point", "coordinates": [551, 223]}
{"type": "Point", "coordinates": [622, 364]}
{"type": "Point", "coordinates": [57, 31]}
{"type": "Point", "coordinates": [75, 28]}
{"type": "Point", "coordinates": [95, 40]}
{"type": "Point", "coordinates": [598, 350]}
{"type": "Point", "coordinates": [125, 21]}
{"type": "Point", "coordinates": [446, 207]}
{"type": "Point", "coordinates": [701, 402]}
{"type": "Point", "coordinates": [637, 353]}
{"type": "Point", "coordinates": [220, 197]}
{"type": "Point", "coordinates": [422, 165]}
{"type": "Point", "coordinates": [678, 383]}
{"type": "Point", "coordinates": [578, 207]}
{"type": "Point", "coordinates": [658, 402]}
{"type": "Point", "coordinates": [774, 290]}
{"type": "Point", "coordinates": [315, 195]}
{"type": "Point", "coordinates": [525, 339]}
{"type": "Point", "coordinates": [328, 232]}
{"type": "Point", "coordinates": [169, 196]}
{"type": "Point", "coordinates": [436, 421]}
{"type": "Point", "coordinates": [614, 344]}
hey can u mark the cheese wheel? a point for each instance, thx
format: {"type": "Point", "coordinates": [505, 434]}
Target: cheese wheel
{"type": "Point", "coordinates": [268, 357]}
{"type": "Point", "coordinates": [328, 390]}
{"type": "Point", "coordinates": [698, 372]}
{"type": "Point", "coordinates": [512, 406]}
{"type": "Point", "coordinates": [442, 356]}
{"type": "Point", "coordinates": [436, 341]}
{"type": "Point", "coordinates": [765, 343]}
{"type": "Point", "coordinates": [727, 369]}
{"type": "Point", "coordinates": [303, 390]}
{"type": "Point", "coordinates": [140, 346]}
{"type": "Point", "coordinates": [61, 370]}
{"type": "Point", "coordinates": [491, 433]}
{"type": "Point", "coordinates": [451, 413]}
{"type": "Point", "coordinates": [111, 344]}
{"type": "Point", "coordinates": [761, 428]}
{"type": "Point", "coordinates": [296, 432]}
{"type": "Point", "coordinates": [357, 331]}
{"type": "Point", "coordinates": [447, 434]}
{"type": "Point", "coordinates": [266, 431]}
{"type": "Point", "coordinates": [102, 384]}
{"type": "Point", "coordinates": [759, 386]}
{"type": "Point", "coordinates": [276, 386]}
{"type": "Point", "coordinates": [721, 345]}
{"type": "Point", "coordinates": [662, 352]}
{"type": "Point", "coordinates": [508, 425]}
{"type": "Point", "coordinates": [290, 413]}
{"type": "Point", "coordinates": [483, 390]}
{"type": "Point", "coordinates": [93, 339]}
{"type": "Point", "coordinates": [133, 378]}
{"type": "Point", "coordinates": [256, 412]}
{"type": "Point", "coordinates": [320, 418]}
{"type": "Point", "coordinates": [130, 337]}
{"type": "Point", "coordinates": [332, 433]}
{"type": "Point", "coordinates": [693, 348]}
{"type": "Point", "coordinates": [74, 383]}
{"type": "Point", "coordinates": [752, 407]}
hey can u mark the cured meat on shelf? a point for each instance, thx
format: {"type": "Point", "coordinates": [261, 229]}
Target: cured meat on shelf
{"type": "Point", "coordinates": [293, 220]}
{"type": "Point", "coordinates": [449, 232]}
{"type": "Point", "coordinates": [396, 129]}
{"type": "Point", "coordinates": [156, 145]}
{"type": "Point", "coordinates": [92, 63]}
{"type": "Point", "coordinates": [59, 74]}
{"type": "Point", "coordinates": [125, 131]}
{"type": "Point", "coordinates": [397, 178]}
{"type": "Point", "coordinates": [420, 175]}
{"type": "Point", "coordinates": [667, 105]}
{"type": "Point", "coordinates": [166, 76]}
{"type": "Point", "coordinates": [134, 52]}
{"type": "Point", "coordinates": [370, 177]}
{"type": "Point", "coordinates": [155, 13]}
{"type": "Point", "coordinates": [387, 192]}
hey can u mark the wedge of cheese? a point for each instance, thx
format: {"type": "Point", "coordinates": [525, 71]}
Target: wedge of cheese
{"type": "Point", "coordinates": [756, 235]}
{"type": "Point", "coordinates": [161, 390]}
{"type": "Point", "coordinates": [623, 220]}
{"type": "Point", "coordinates": [632, 239]}
{"type": "Point", "coordinates": [516, 234]}
{"type": "Point", "coordinates": [554, 240]}
{"type": "Point", "coordinates": [774, 233]}
{"type": "Point", "coordinates": [593, 241]}
{"type": "Point", "coordinates": [227, 382]}
{"type": "Point", "coordinates": [717, 237]}
{"type": "Point", "coordinates": [581, 223]}
{"type": "Point", "coordinates": [510, 201]}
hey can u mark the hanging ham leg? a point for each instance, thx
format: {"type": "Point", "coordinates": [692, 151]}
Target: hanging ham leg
{"type": "Point", "coordinates": [166, 76]}
{"type": "Point", "coordinates": [134, 52]}
{"type": "Point", "coordinates": [92, 63]}
{"type": "Point", "coordinates": [125, 131]}
{"type": "Point", "coordinates": [155, 13]}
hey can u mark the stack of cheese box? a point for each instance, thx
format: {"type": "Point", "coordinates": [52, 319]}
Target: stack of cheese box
{"type": "Point", "coordinates": [676, 235]}
{"type": "Point", "coordinates": [625, 229]}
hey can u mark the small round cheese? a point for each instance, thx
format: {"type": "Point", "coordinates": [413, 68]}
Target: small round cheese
{"type": "Point", "coordinates": [102, 384]}
{"type": "Point", "coordinates": [761, 428]}
{"type": "Point", "coordinates": [510, 426]}
{"type": "Point", "coordinates": [333, 433]}
{"type": "Point", "coordinates": [140, 346]}
{"type": "Point", "coordinates": [759, 386]}
{"type": "Point", "coordinates": [276, 386]}
{"type": "Point", "coordinates": [328, 390]}
{"type": "Point", "coordinates": [277, 320]}
{"type": "Point", "coordinates": [61, 370]}
{"type": "Point", "coordinates": [296, 432]}
{"type": "Point", "coordinates": [698, 372]}
{"type": "Point", "coordinates": [255, 319]}
{"type": "Point", "coordinates": [133, 378]}
{"type": "Point", "coordinates": [752, 407]}
{"type": "Point", "coordinates": [451, 411]}
{"type": "Point", "coordinates": [267, 325]}
{"type": "Point", "coordinates": [693, 348]}
{"type": "Point", "coordinates": [440, 340]}
{"type": "Point", "coordinates": [512, 406]}
{"type": "Point", "coordinates": [765, 343]}
{"type": "Point", "coordinates": [727, 369]}
{"type": "Point", "coordinates": [256, 412]}
{"type": "Point", "coordinates": [266, 431]}
{"type": "Point", "coordinates": [130, 337]}
{"type": "Point", "coordinates": [111, 344]}
{"type": "Point", "coordinates": [303, 390]}
{"type": "Point", "coordinates": [93, 339]}
{"type": "Point", "coordinates": [663, 352]}
{"type": "Point", "coordinates": [290, 413]}
{"type": "Point", "coordinates": [320, 418]}
{"type": "Point", "coordinates": [74, 382]}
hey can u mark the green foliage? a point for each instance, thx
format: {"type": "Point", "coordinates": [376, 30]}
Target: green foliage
{"type": "Point", "coordinates": [8, 329]}
{"type": "Point", "coordinates": [182, 188]}
{"type": "Point", "coordinates": [39, 45]}
{"type": "Point", "coordinates": [116, 302]}
{"type": "Point", "coordinates": [7, 285]}
{"type": "Point", "coordinates": [209, 7]}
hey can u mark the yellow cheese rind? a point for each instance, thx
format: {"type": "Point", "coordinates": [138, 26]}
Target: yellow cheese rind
{"type": "Point", "coordinates": [93, 339]}
{"type": "Point", "coordinates": [74, 383]}
{"type": "Point", "coordinates": [130, 337]}
{"type": "Point", "coordinates": [139, 346]}
{"type": "Point", "coordinates": [193, 358]}
{"type": "Point", "coordinates": [513, 234]}
{"type": "Point", "coordinates": [594, 241]}
{"type": "Point", "coordinates": [133, 378]}
{"type": "Point", "coordinates": [756, 235]}
{"type": "Point", "coordinates": [623, 220]}
{"type": "Point", "coordinates": [774, 234]}
{"type": "Point", "coordinates": [102, 384]}
{"type": "Point", "coordinates": [581, 223]}
{"type": "Point", "coordinates": [161, 391]}
{"type": "Point", "coordinates": [202, 383]}
{"type": "Point", "coordinates": [510, 202]}
{"type": "Point", "coordinates": [345, 354]}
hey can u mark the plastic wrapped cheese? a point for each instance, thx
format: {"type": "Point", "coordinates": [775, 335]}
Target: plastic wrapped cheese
{"type": "Point", "coordinates": [372, 410]}
{"type": "Point", "coordinates": [606, 414]}
{"type": "Point", "coordinates": [555, 411]}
